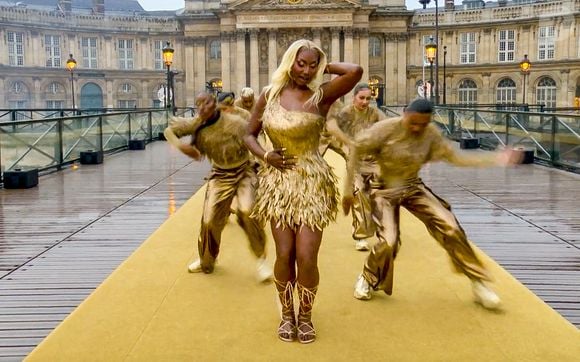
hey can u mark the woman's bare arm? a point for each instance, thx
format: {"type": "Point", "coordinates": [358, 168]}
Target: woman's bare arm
{"type": "Point", "coordinates": [349, 75]}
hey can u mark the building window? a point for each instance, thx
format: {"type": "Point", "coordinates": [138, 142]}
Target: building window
{"type": "Point", "coordinates": [128, 103]}
{"type": "Point", "coordinates": [546, 92]}
{"type": "Point", "coordinates": [506, 91]}
{"type": "Point", "coordinates": [15, 49]}
{"type": "Point", "coordinates": [126, 88]}
{"type": "Point", "coordinates": [54, 88]}
{"type": "Point", "coordinates": [158, 54]}
{"type": "Point", "coordinates": [467, 48]}
{"type": "Point", "coordinates": [19, 116]}
{"type": "Point", "coordinates": [18, 88]}
{"type": "Point", "coordinates": [125, 50]}
{"type": "Point", "coordinates": [506, 45]}
{"type": "Point", "coordinates": [546, 42]}
{"type": "Point", "coordinates": [55, 104]}
{"type": "Point", "coordinates": [467, 92]}
{"type": "Point", "coordinates": [89, 49]}
{"type": "Point", "coordinates": [52, 48]}
{"type": "Point", "coordinates": [375, 47]}
{"type": "Point", "coordinates": [215, 50]}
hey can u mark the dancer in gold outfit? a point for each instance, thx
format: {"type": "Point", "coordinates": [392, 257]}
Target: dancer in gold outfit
{"type": "Point", "coordinates": [246, 99]}
{"type": "Point", "coordinates": [401, 146]}
{"type": "Point", "coordinates": [218, 136]}
{"type": "Point", "coordinates": [297, 188]}
{"type": "Point", "coordinates": [353, 119]}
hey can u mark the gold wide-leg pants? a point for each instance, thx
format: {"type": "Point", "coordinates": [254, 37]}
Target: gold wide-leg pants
{"type": "Point", "coordinates": [363, 225]}
{"type": "Point", "coordinates": [222, 187]}
{"type": "Point", "coordinates": [436, 214]}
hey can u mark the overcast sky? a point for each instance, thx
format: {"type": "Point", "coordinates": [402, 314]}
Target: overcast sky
{"type": "Point", "coordinates": [178, 4]}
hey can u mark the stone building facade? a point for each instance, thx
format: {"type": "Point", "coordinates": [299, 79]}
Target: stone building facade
{"type": "Point", "coordinates": [235, 43]}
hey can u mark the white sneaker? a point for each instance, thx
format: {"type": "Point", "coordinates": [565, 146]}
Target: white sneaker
{"type": "Point", "coordinates": [195, 267]}
{"type": "Point", "coordinates": [362, 289]}
{"type": "Point", "coordinates": [361, 245]}
{"type": "Point", "coordinates": [485, 296]}
{"type": "Point", "coordinates": [264, 271]}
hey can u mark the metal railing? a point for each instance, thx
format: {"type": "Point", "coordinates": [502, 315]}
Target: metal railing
{"type": "Point", "coordinates": [52, 142]}
{"type": "Point", "coordinates": [554, 137]}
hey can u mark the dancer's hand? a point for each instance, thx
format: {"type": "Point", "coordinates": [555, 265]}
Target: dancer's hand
{"type": "Point", "coordinates": [347, 201]}
{"type": "Point", "coordinates": [280, 160]}
{"type": "Point", "coordinates": [190, 151]}
{"type": "Point", "coordinates": [510, 157]}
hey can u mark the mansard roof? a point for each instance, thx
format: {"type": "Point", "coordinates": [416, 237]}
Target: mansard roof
{"type": "Point", "coordinates": [292, 4]}
{"type": "Point", "coordinates": [110, 5]}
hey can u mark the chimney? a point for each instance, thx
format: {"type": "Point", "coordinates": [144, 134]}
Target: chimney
{"type": "Point", "coordinates": [449, 5]}
{"type": "Point", "coordinates": [64, 6]}
{"type": "Point", "coordinates": [99, 7]}
{"type": "Point", "coordinates": [502, 2]}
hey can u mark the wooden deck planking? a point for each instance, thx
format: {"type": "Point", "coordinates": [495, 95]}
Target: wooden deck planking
{"type": "Point", "coordinates": [47, 267]}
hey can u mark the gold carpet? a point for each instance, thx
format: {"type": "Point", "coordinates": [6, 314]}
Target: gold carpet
{"type": "Point", "coordinates": [151, 309]}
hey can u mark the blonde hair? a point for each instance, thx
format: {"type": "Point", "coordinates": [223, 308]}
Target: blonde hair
{"type": "Point", "coordinates": [246, 92]}
{"type": "Point", "coordinates": [281, 76]}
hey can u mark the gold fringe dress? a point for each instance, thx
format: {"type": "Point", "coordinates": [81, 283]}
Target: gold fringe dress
{"type": "Point", "coordinates": [306, 195]}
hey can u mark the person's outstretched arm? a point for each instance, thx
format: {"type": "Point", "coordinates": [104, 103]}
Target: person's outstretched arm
{"type": "Point", "coordinates": [178, 128]}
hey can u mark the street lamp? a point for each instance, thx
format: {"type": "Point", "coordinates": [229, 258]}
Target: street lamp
{"type": "Point", "coordinates": [444, 80]}
{"type": "Point", "coordinates": [71, 64]}
{"type": "Point", "coordinates": [435, 86]}
{"type": "Point", "coordinates": [168, 60]}
{"type": "Point", "coordinates": [431, 53]}
{"type": "Point", "coordinates": [525, 66]}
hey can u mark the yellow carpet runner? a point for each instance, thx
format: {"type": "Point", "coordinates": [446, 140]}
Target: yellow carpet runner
{"type": "Point", "coordinates": [152, 309]}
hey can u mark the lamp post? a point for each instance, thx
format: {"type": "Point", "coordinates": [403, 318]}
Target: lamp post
{"type": "Point", "coordinates": [525, 66]}
{"type": "Point", "coordinates": [71, 64]}
{"type": "Point", "coordinates": [431, 53]}
{"type": "Point", "coordinates": [444, 79]}
{"type": "Point", "coordinates": [168, 60]}
{"type": "Point", "coordinates": [435, 87]}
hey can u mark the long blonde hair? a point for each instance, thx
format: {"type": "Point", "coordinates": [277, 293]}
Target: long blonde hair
{"type": "Point", "coordinates": [281, 76]}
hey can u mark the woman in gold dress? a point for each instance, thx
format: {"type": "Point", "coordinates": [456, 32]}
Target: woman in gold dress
{"type": "Point", "coordinates": [217, 135]}
{"type": "Point", "coordinates": [297, 190]}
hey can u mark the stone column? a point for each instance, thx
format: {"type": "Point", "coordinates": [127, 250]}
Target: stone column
{"type": "Point", "coordinates": [335, 45]}
{"type": "Point", "coordinates": [316, 37]}
{"type": "Point", "coordinates": [240, 59]}
{"type": "Point", "coordinates": [189, 66]}
{"type": "Point", "coordinates": [401, 68]}
{"type": "Point", "coordinates": [565, 96]}
{"type": "Point", "coordinates": [272, 53]}
{"type": "Point", "coordinates": [200, 55]}
{"type": "Point", "coordinates": [108, 58]}
{"type": "Point", "coordinates": [226, 64]}
{"type": "Point", "coordinates": [144, 60]}
{"type": "Point", "coordinates": [35, 56]}
{"type": "Point", "coordinates": [390, 66]}
{"type": "Point", "coordinates": [364, 52]}
{"type": "Point", "coordinates": [348, 45]}
{"type": "Point", "coordinates": [254, 62]}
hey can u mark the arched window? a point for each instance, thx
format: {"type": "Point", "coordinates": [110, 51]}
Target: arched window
{"type": "Point", "coordinates": [467, 92]}
{"type": "Point", "coordinates": [546, 92]}
{"type": "Point", "coordinates": [375, 47]}
{"type": "Point", "coordinates": [215, 50]}
{"type": "Point", "coordinates": [506, 91]}
{"type": "Point", "coordinates": [54, 88]}
{"type": "Point", "coordinates": [18, 88]}
{"type": "Point", "coordinates": [126, 88]}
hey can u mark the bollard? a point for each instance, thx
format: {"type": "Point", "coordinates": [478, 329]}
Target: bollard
{"type": "Point", "coordinates": [20, 179]}
{"type": "Point", "coordinates": [91, 157]}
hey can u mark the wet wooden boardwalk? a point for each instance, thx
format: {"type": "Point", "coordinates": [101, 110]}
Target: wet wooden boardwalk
{"type": "Point", "coordinates": [59, 241]}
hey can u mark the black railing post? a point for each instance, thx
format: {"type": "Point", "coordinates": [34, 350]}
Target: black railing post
{"type": "Point", "coordinates": [101, 146]}
{"type": "Point", "coordinates": [451, 117]}
{"type": "Point", "coordinates": [150, 125]}
{"type": "Point", "coordinates": [553, 140]}
{"type": "Point", "coordinates": [507, 128]}
{"type": "Point", "coordinates": [60, 144]}
{"type": "Point", "coordinates": [129, 138]}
